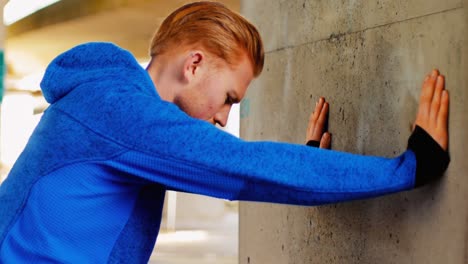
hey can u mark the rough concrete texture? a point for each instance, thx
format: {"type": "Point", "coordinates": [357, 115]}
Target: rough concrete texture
{"type": "Point", "coordinates": [368, 58]}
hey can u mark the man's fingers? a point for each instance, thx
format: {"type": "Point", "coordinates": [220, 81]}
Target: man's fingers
{"type": "Point", "coordinates": [436, 98]}
{"type": "Point", "coordinates": [317, 121]}
{"type": "Point", "coordinates": [316, 113]}
{"type": "Point", "coordinates": [325, 141]}
{"type": "Point", "coordinates": [428, 92]}
{"type": "Point", "coordinates": [322, 118]}
{"type": "Point", "coordinates": [323, 114]}
{"type": "Point", "coordinates": [442, 117]}
{"type": "Point", "coordinates": [314, 127]}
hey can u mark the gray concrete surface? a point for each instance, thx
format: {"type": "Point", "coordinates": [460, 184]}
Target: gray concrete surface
{"type": "Point", "coordinates": [368, 58]}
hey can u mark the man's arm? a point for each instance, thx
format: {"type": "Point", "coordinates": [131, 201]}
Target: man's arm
{"type": "Point", "coordinates": [168, 147]}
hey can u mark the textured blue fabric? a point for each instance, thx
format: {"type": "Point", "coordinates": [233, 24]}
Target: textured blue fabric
{"type": "Point", "coordinates": [89, 186]}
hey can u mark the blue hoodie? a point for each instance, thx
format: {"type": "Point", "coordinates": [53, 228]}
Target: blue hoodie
{"type": "Point", "coordinates": [89, 186]}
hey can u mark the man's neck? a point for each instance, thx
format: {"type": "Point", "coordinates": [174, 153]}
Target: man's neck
{"type": "Point", "coordinates": [162, 79]}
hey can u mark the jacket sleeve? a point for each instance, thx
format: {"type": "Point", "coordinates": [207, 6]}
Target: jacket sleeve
{"type": "Point", "coordinates": [185, 154]}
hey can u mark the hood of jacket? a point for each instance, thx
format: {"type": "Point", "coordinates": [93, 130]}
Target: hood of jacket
{"type": "Point", "coordinates": [87, 63]}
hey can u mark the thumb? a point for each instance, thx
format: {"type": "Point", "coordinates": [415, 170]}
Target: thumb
{"type": "Point", "coordinates": [325, 141]}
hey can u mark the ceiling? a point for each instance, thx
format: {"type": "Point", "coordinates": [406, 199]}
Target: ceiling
{"type": "Point", "coordinates": [33, 42]}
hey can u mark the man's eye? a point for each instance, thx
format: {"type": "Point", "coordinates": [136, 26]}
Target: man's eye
{"type": "Point", "coordinates": [229, 100]}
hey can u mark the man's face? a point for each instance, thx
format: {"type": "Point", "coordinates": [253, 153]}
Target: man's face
{"type": "Point", "coordinates": [215, 89]}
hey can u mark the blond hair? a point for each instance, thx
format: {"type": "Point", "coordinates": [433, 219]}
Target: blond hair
{"type": "Point", "coordinates": [215, 28]}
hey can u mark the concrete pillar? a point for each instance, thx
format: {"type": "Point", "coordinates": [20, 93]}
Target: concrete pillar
{"type": "Point", "coordinates": [368, 58]}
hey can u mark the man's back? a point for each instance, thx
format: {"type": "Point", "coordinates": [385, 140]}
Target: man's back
{"type": "Point", "coordinates": [66, 201]}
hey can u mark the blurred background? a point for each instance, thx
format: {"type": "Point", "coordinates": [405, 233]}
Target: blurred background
{"type": "Point", "coordinates": [195, 229]}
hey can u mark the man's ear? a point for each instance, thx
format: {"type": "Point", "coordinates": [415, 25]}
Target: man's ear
{"type": "Point", "coordinates": [192, 64]}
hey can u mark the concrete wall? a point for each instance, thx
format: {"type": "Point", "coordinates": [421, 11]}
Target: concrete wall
{"type": "Point", "coordinates": [368, 58]}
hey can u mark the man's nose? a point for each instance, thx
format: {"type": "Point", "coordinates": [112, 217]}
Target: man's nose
{"type": "Point", "coordinates": [221, 117]}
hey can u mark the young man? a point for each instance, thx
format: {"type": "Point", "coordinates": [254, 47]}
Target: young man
{"type": "Point", "coordinates": [89, 187]}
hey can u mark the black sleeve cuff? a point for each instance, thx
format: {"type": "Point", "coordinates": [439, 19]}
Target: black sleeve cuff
{"type": "Point", "coordinates": [313, 143]}
{"type": "Point", "coordinates": [431, 159]}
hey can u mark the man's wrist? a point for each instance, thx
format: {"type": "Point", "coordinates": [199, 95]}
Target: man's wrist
{"type": "Point", "coordinates": [431, 159]}
{"type": "Point", "coordinates": [313, 143]}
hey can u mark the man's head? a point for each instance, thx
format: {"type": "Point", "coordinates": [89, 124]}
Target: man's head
{"type": "Point", "coordinates": [212, 53]}
{"type": "Point", "coordinates": [213, 27]}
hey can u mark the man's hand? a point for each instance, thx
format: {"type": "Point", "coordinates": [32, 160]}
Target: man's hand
{"type": "Point", "coordinates": [316, 127]}
{"type": "Point", "coordinates": [433, 108]}
{"type": "Point", "coordinates": [429, 140]}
